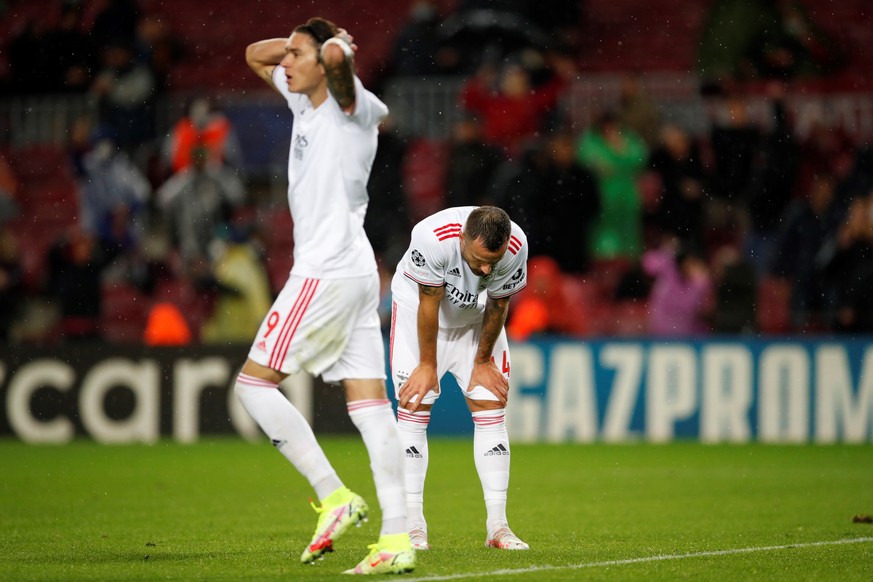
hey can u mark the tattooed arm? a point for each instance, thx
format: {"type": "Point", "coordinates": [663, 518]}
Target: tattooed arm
{"type": "Point", "coordinates": [486, 373]}
{"type": "Point", "coordinates": [424, 376]}
{"type": "Point", "coordinates": [337, 57]}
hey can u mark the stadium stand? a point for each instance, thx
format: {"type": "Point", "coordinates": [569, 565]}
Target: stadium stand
{"type": "Point", "coordinates": [637, 35]}
{"type": "Point", "coordinates": [217, 36]}
{"type": "Point", "coordinates": [279, 242]}
{"type": "Point", "coordinates": [48, 206]}
{"type": "Point", "coordinates": [124, 313]}
{"type": "Point", "coordinates": [614, 37]}
{"type": "Point", "coordinates": [424, 172]}
{"type": "Point", "coordinates": [774, 316]}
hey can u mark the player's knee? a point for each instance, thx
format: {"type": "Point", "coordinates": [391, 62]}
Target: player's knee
{"type": "Point", "coordinates": [364, 389]}
{"type": "Point", "coordinates": [482, 405]}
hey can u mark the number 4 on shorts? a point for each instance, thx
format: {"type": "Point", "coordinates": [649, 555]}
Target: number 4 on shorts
{"type": "Point", "coordinates": [505, 363]}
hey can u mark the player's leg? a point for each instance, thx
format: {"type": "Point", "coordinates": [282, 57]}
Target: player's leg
{"type": "Point", "coordinates": [371, 412]}
{"type": "Point", "coordinates": [272, 357]}
{"type": "Point", "coordinates": [412, 426]}
{"type": "Point", "coordinates": [257, 389]}
{"type": "Point", "coordinates": [361, 368]}
{"type": "Point", "coordinates": [491, 454]}
{"type": "Point", "coordinates": [413, 435]}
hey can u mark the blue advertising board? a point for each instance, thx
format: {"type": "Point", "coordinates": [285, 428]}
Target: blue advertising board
{"type": "Point", "coordinates": [790, 391]}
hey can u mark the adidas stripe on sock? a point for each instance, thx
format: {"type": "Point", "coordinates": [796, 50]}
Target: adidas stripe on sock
{"type": "Point", "coordinates": [413, 436]}
{"type": "Point", "coordinates": [491, 452]}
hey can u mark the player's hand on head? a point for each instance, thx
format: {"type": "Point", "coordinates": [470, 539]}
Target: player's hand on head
{"type": "Point", "coordinates": [344, 35]}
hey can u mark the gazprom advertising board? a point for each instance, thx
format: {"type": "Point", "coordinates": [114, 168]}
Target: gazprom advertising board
{"type": "Point", "coordinates": [726, 390]}
{"type": "Point", "coordinates": [792, 391]}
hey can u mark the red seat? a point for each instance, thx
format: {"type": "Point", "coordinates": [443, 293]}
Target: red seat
{"type": "Point", "coordinates": [32, 242]}
{"type": "Point", "coordinates": [606, 274]}
{"type": "Point", "coordinates": [124, 313]}
{"type": "Point", "coordinates": [774, 310]}
{"type": "Point", "coordinates": [630, 318]}
{"type": "Point", "coordinates": [280, 247]}
{"type": "Point", "coordinates": [40, 161]}
{"type": "Point", "coordinates": [580, 299]}
{"type": "Point", "coordinates": [424, 172]}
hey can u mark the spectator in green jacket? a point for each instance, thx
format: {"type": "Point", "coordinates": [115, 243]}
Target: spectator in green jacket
{"type": "Point", "coordinates": [616, 156]}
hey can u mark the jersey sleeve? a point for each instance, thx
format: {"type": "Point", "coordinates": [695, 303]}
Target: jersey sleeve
{"type": "Point", "coordinates": [369, 109]}
{"type": "Point", "coordinates": [424, 261]}
{"type": "Point", "coordinates": [293, 99]}
{"type": "Point", "coordinates": [511, 273]}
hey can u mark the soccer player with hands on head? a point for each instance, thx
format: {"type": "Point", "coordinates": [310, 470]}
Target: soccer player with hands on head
{"type": "Point", "coordinates": [325, 319]}
{"type": "Point", "coordinates": [451, 294]}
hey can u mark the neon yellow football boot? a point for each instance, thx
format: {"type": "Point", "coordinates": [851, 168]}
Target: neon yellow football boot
{"type": "Point", "coordinates": [392, 554]}
{"type": "Point", "coordinates": [338, 512]}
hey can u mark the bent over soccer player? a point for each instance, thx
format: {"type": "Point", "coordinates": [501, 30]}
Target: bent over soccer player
{"type": "Point", "coordinates": [325, 319]}
{"type": "Point", "coordinates": [451, 293]}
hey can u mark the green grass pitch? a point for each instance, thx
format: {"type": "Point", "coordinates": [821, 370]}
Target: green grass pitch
{"type": "Point", "coordinates": [229, 510]}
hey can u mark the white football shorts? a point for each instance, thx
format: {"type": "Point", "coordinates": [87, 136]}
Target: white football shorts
{"type": "Point", "coordinates": [327, 327]}
{"type": "Point", "coordinates": [456, 349]}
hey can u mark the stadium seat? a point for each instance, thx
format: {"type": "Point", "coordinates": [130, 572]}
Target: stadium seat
{"type": "Point", "coordinates": [580, 300]}
{"type": "Point", "coordinates": [639, 35]}
{"type": "Point", "coordinates": [32, 245]}
{"type": "Point", "coordinates": [424, 171]}
{"type": "Point", "coordinates": [630, 318]}
{"type": "Point", "coordinates": [774, 312]}
{"type": "Point", "coordinates": [216, 44]}
{"type": "Point", "coordinates": [607, 273]}
{"type": "Point", "coordinates": [39, 161]}
{"type": "Point", "coordinates": [124, 313]}
{"type": "Point", "coordinates": [195, 304]}
{"type": "Point", "coordinates": [280, 247]}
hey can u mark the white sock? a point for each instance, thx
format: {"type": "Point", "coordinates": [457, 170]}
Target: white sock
{"type": "Point", "coordinates": [288, 431]}
{"type": "Point", "coordinates": [413, 436]}
{"type": "Point", "coordinates": [491, 454]}
{"type": "Point", "coordinates": [375, 421]}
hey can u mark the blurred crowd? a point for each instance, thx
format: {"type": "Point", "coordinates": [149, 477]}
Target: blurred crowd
{"type": "Point", "coordinates": [636, 225]}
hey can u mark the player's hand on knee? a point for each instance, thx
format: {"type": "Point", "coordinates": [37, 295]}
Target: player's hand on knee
{"type": "Point", "coordinates": [420, 382]}
{"type": "Point", "coordinates": [501, 393]}
{"type": "Point", "coordinates": [487, 375]}
{"type": "Point", "coordinates": [410, 398]}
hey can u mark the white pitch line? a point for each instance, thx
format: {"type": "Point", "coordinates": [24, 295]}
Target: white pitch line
{"type": "Point", "coordinates": [510, 572]}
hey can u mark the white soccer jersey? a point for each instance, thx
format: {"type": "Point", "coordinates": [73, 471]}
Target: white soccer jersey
{"type": "Point", "coordinates": [328, 168]}
{"type": "Point", "coordinates": [434, 259]}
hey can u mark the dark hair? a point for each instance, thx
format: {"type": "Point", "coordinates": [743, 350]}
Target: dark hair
{"type": "Point", "coordinates": [319, 29]}
{"type": "Point", "coordinates": [491, 224]}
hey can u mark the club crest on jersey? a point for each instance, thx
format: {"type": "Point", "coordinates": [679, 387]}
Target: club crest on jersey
{"type": "Point", "coordinates": [300, 142]}
{"type": "Point", "coordinates": [417, 258]}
